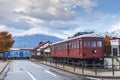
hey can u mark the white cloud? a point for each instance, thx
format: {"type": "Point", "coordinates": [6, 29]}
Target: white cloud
{"type": "Point", "coordinates": [13, 31]}
{"type": "Point", "coordinates": [114, 30]}
{"type": "Point", "coordinates": [55, 10]}
{"type": "Point", "coordinates": [40, 9]}
{"type": "Point", "coordinates": [50, 17]}
{"type": "Point", "coordinates": [85, 4]}
{"type": "Point", "coordinates": [7, 8]}
{"type": "Point", "coordinates": [115, 27]}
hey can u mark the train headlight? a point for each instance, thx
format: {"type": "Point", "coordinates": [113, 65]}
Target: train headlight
{"type": "Point", "coordinates": [94, 52]}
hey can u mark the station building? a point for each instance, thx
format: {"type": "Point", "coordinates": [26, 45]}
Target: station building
{"type": "Point", "coordinates": [115, 47]}
{"type": "Point", "coordinates": [114, 58]}
{"type": "Point", "coordinates": [41, 51]}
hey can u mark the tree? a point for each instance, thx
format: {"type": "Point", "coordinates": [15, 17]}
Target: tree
{"type": "Point", "coordinates": [107, 45]}
{"type": "Point", "coordinates": [6, 42]}
{"type": "Point", "coordinates": [107, 40]}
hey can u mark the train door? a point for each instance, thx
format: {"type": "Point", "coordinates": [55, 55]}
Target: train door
{"type": "Point", "coordinates": [67, 48]}
{"type": "Point", "coordinates": [8, 54]}
{"type": "Point", "coordinates": [21, 54]}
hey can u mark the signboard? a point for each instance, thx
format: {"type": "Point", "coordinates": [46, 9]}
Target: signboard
{"type": "Point", "coordinates": [114, 42]}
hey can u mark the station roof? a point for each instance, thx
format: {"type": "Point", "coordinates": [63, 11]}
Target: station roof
{"type": "Point", "coordinates": [20, 48]}
{"type": "Point", "coordinates": [40, 45]}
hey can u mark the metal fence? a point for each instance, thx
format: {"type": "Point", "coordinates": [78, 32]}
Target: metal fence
{"type": "Point", "coordinates": [85, 69]}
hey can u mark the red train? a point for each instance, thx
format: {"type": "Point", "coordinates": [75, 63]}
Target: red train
{"type": "Point", "coordinates": [85, 47]}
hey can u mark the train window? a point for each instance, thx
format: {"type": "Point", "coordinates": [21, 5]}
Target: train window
{"type": "Point", "coordinates": [86, 43]}
{"type": "Point", "coordinates": [70, 45]}
{"type": "Point", "coordinates": [93, 44]}
{"type": "Point", "coordinates": [80, 43]}
{"type": "Point", "coordinates": [52, 47]}
{"type": "Point", "coordinates": [66, 46]}
{"type": "Point", "coordinates": [63, 46]}
{"type": "Point", "coordinates": [99, 43]}
{"type": "Point", "coordinates": [56, 47]}
{"type": "Point", "coordinates": [59, 47]}
{"type": "Point", "coordinates": [74, 45]}
{"type": "Point", "coordinates": [77, 43]}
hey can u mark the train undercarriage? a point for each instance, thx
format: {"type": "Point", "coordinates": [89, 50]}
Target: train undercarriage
{"type": "Point", "coordinates": [80, 62]}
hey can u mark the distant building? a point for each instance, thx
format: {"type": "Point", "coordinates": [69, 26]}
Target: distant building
{"type": "Point", "coordinates": [42, 50]}
{"type": "Point", "coordinates": [114, 57]}
{"type": "Point", "coordinates": [115, 47]}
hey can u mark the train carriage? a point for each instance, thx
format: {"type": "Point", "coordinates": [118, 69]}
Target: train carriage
{"type": "Point", "coordinates": [86, 47]}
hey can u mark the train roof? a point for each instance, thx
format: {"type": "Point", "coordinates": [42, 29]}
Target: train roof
{"type": "Point", "coordinates": [15, 49]}
{"type": "Point", "coordinates": [93, 35]}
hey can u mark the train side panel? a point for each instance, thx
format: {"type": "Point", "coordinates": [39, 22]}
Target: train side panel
{"type": "Point", "coordinates": [60, 50]}
{"type": "Point", "coordinates": [74, 49]}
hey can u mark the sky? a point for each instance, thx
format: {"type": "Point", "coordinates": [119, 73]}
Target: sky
{"type": "Point", "coordinates": [59, 18]}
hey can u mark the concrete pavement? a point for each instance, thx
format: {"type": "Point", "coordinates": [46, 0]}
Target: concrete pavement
{"type": "Point", "coordinates": [3, 65]}
{"type": "Point", "coordinates": [27, 70]}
